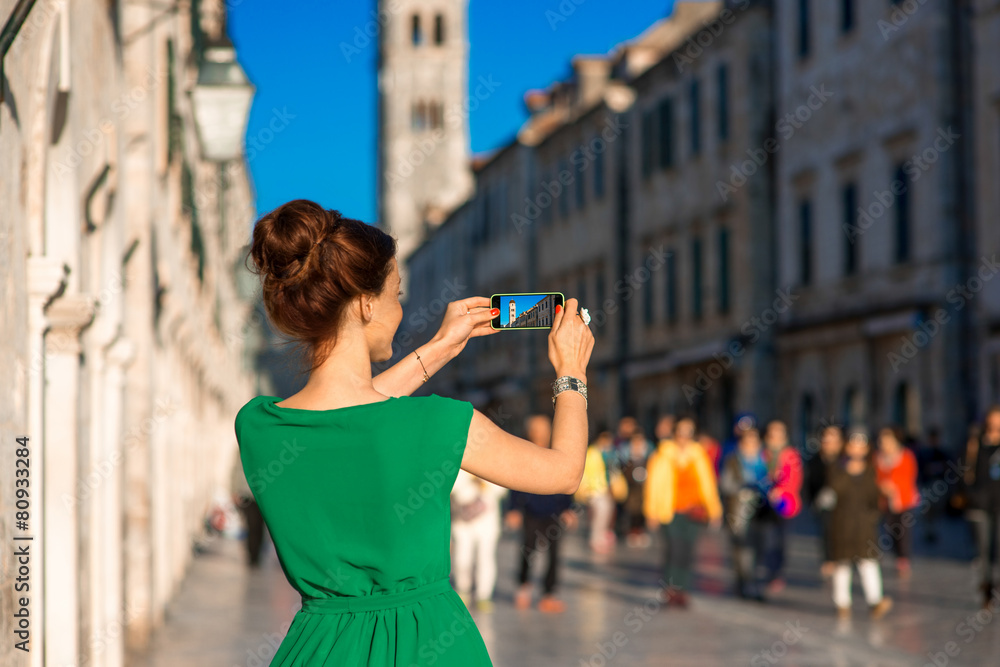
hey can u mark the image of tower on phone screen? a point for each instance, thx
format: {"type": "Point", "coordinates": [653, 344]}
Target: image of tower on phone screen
{"type": "Point", "coordinates": [527, 310]}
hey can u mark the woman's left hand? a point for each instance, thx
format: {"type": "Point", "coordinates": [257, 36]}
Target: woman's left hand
{"type": "Point", "coordinates": [465, 319]}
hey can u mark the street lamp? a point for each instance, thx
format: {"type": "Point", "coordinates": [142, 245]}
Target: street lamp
{"type": "Point", "coordinates": [221, 101]}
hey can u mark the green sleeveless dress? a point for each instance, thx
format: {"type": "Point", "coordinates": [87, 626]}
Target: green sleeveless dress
{"type": "Point", "coordinates": [357, 503]}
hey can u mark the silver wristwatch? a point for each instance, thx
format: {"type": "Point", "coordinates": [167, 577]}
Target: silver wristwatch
{"type": "Point", "coordinates": [568, 383]}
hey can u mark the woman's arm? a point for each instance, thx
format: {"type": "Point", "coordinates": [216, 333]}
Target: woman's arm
{"type": "Point", "coordinates": [504, 459]}
{"type": "Point", "coordinates": [463, 320]}
{"type": "Point", "coordinates": [521, 465]}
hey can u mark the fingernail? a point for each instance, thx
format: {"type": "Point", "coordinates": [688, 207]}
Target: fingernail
{"type": "Point", "coordinates": [495, 312]}
{"type": "Point", "coordinates": [558, 308]}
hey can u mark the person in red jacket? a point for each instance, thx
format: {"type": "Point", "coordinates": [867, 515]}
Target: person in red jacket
{"type": "Point", "coordinates": [784, 474]}
{"type": "Point", "coordinates": [896, 472]}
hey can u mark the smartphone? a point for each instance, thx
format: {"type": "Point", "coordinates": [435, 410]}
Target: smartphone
{"type": "Point", "coordinates": [525, 310]}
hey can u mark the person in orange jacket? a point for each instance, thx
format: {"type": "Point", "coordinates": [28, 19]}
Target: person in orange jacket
{"type": "Point", "coordinates": [681, 496]}
{"type": "Point", "coordinates": [896, 471]}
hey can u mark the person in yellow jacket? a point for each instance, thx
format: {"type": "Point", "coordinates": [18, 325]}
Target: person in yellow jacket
{"type": "Point", "coordinates": [681, 496]}
{"type": "Point", "coordinates": [595, 491]}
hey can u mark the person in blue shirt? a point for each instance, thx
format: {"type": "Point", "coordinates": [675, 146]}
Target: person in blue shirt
{"type": "Point", "coordinates": [543, 520]}
{"type": "Point", "coordinates": [743, 485]}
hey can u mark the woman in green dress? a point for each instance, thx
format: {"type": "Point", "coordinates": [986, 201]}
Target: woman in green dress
{"type": "Point", "coordinates": [353, 475]}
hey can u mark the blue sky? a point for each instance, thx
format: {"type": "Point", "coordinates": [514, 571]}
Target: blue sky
{"type": "Point", "coordinates": [312, 127]}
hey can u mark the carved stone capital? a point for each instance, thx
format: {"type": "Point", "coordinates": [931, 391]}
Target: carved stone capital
{"type": "Point", "coordinates": [67, 317]}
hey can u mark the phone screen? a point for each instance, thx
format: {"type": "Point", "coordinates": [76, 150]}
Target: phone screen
{"type": "Point", "coordinates": [525, 310]}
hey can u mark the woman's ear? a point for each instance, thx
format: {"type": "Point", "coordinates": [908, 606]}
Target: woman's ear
{"type": "Point", "coordinates": [367, 308]}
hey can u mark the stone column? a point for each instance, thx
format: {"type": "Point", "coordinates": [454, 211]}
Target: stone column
{"type": "Point", "coordinates": [109, 612]}
{"type": "Point", "coordinates": [46, 277]}
{"type": "Point", "coordinates": [67, 316]}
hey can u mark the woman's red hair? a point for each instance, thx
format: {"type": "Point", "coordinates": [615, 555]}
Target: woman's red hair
{"type": "Point", "coordinates": [313, 262]}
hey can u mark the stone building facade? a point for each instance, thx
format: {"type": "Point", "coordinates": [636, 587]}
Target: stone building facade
{"type": "Point", "coordinates": [423, 131]}
{"type": "Point", "coordinates": [873, 229]}
{"type": "Point", "coordinates": [122, 334]}
{"type": "Point", "coordinates": [799, 206]}
{"type": "Point", "coordinates": [984, 106]}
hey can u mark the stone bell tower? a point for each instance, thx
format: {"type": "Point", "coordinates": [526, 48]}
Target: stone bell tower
{"type": "Point", "coordinates": [423, 131]}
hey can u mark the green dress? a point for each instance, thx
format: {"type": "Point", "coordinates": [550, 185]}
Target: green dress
{"type": "Point", "coordinates": [357, 503]}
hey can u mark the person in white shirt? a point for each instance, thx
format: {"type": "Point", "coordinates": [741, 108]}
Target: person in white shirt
{"type": "Point", "coordinates": [475, 531]}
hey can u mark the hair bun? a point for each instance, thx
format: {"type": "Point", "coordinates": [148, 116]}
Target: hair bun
{"type": "Point", "coordinates": [313, 262]}
{"type": "Point", "coordinates": [286, 239]}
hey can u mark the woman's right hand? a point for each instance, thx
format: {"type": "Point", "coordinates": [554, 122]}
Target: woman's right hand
{"type": "Point", "coordinates": [570, 342]}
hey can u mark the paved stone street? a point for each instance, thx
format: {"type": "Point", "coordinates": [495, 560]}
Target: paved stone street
{"type": "Point", "coordinates": [225, 615]}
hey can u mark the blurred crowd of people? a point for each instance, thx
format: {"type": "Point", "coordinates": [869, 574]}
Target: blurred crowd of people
{"type": "Point", "coordinates": [864, 491]}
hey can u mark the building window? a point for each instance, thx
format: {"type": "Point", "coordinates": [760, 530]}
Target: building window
{"type": "Point", "coordinates": [580, 182]}
{"type": "Point", "coordinates": [563, 199]}
{"type": "Point", "coordinates": [547, 209]}
{"type": "Point", "coordinates": [722, 81]}
{"type": "Point", "coordinates": [435, 115]}
{"type": "Point", "coordinates": [803, 29]}
{"type": "Point", "coordinates": [666, 133]}
{"type": "Point", "coordinates": [723, 270]}
{"type": "Point", "coordinates": [846, 16]}
{"type": "Point", "coordinates": [487, 214]}
{"type": "Point", "coordinates": [906, 408]}
{"type": "Point", "coordinates": [805, 242]}
{"type": "Point", "coordinates": [416, 33]}
{"type": "Point", "coordinates": [418, 116]}
{"type": "Point", "coordinates": [696, 279]}
{"type": "Point", "coordinates": [647, 144]}
{"type": "Point", "coordinates": [671, 274]}
{"type": "Point", "coordinates": [695, 99]}
{"type": "Point", "coordinates": [807, 417]}
{"type": "Point", "coordinates": [849, 197]}
{"type": "Point", "coordinates": [853, 409]}
{"type": "Point", "coordinates": [901, 187]}
{"type": "Point", "coordinates": [438, 29]}
{"type": "Point", "coordinates": [599, 174]}
{"type": "Point", "coordinates": [647, 302]}
{"type": "Point", "coordinates": [599, 291]}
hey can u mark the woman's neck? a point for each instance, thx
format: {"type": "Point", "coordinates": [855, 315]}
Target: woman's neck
{"type": "Point", "coordinates": [343, 379]}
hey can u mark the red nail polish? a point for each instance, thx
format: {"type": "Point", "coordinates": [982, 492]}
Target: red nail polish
{"type": "Point", "coordinates": [494, 312]}
{"type": "Point", "coordinates": [558, 308]}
